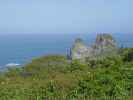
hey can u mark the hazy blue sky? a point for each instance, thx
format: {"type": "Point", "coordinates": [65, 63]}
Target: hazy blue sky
{"type": "Point", "coordinates": [66, 16]}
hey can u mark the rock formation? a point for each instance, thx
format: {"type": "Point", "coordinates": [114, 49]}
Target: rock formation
{"type": "Point", "coordinates": [80, 50]}
{"type": "Point", "coordinates": [104, 45]}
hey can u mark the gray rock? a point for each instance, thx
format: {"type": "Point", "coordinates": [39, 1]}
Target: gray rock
{"type": "Point", "coordinates": [79, 50]}
{"type": "Point", "coordinates": [104, 45]}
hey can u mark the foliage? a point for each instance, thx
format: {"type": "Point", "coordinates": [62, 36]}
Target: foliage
{"type": "Point", "coordinates": [54, 77]}
{"type": "Point", "coordinates": [127, 54]}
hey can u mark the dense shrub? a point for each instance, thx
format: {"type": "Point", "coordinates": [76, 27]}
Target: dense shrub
{"type": "Point", "coordinates": [56, 78]}
{"type": "Point", "coordinates": [127, 54]}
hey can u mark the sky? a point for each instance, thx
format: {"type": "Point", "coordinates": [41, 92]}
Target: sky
{"type": "Point", "coordinates": [66, 16]}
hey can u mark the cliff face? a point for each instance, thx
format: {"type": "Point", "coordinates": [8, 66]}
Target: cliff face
{"type": "Point", "coordinates": [104, 45]}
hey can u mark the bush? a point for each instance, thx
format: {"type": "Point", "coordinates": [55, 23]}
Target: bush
{"type": "Point", "coordinates": [56, 78]}
{"type": "Point", "coordinates": [127, 54]}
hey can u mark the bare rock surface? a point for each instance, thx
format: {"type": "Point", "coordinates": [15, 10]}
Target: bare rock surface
{"type": "Point", "coordinates": [104, 45]}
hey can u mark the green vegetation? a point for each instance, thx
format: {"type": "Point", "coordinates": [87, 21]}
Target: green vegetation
{"type": "Point", "coordinates": [54, 77]}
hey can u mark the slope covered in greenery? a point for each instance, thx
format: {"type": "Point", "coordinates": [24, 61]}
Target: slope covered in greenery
{"type": "Point", "coordinates": [54, 77]}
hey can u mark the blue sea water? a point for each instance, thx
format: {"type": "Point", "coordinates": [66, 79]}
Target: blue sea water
{"type": "Point", "coordinates": [21, 48]}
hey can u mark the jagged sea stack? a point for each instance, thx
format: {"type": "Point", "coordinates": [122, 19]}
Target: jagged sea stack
{"type": "Point", "coordinates": [104, 45]}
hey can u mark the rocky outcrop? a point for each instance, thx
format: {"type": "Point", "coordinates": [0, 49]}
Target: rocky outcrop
{"type": "Point", "coordinates": [80, 50]}
{"type": "Point", "coordinates": [104, 45]}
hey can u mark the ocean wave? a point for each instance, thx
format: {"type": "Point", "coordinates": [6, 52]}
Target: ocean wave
{"type": "Point", "coordinates": [9, 65]}
{"type": "Point", "coordinates": [12, 65]}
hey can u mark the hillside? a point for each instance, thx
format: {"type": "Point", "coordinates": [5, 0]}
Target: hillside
{"type": "Point", "coordinates": [54, 77]}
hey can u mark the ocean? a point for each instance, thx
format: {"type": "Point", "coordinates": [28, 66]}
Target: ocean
{"type": "Point", "coordinates": [22, 48]}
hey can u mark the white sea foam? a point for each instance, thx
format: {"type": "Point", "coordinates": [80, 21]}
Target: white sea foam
{"type": "Point", "coordinates": [12, 64]}
{"type": "Point", "coordinates": [7, 66]}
